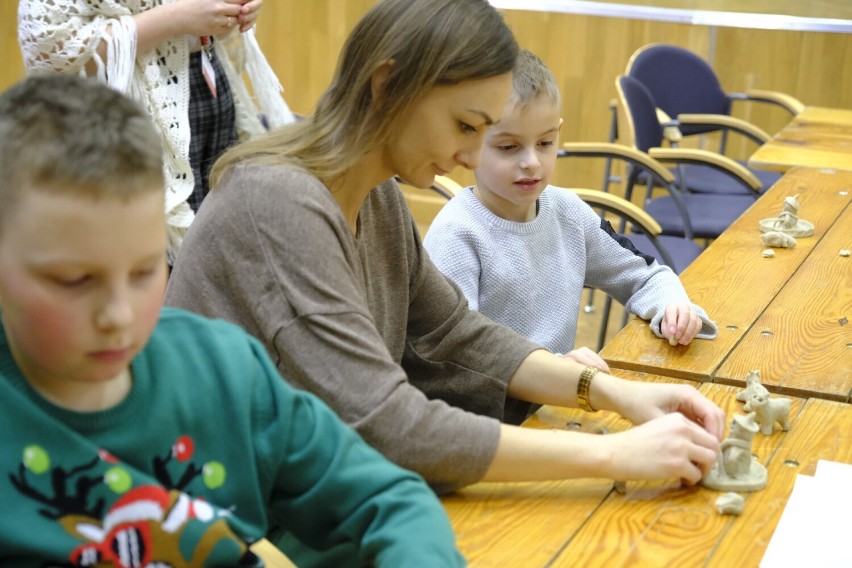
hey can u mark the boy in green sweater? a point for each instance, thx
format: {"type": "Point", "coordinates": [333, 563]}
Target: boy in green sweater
{"type": "Point", "coordinates": [141, 436]}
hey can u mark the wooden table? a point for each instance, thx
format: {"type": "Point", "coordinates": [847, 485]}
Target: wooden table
{"type": "Point", "coordinates": [784, 315]}
{"type": "Point", "coordinates": [818, 137]}
{"type": "Point", "coordinates": [586, 523]}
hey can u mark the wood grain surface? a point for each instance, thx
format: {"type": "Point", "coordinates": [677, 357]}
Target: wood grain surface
{"type": "Point", "coordinates": [585, 523]}
{"type": "Point", "coordinates": [735, 284]}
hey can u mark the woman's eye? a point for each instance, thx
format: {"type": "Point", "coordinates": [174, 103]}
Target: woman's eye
{"type": "Point", "coordinates": [466, 128]}
{"type": "Point", "coordinates": [70, 282]}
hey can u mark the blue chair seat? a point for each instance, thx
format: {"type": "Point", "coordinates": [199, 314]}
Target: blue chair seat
{"type": "Point", "coordinates": [709, 215]}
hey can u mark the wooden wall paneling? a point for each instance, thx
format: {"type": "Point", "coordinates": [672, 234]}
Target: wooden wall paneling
{"type": "Point", "coordinates": [11, 65]}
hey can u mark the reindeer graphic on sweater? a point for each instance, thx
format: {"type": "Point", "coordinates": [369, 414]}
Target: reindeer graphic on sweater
{"type": "Point", "coordinates": [149, 525]}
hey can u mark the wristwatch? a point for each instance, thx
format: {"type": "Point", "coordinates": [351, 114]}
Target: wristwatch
{"type": "Point", "coordinates": [583, 388]}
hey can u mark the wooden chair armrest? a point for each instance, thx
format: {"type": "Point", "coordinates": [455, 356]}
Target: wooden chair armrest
{"type": "Point", "coordinates": [446, 186]}
{"type": "Point", "coordinates": [611, 150]}
{"type": "Point", "coordinates": [620, 207]}
{"type": "Point", "coordinates": [793, 105]}
{"type": "Point", "coordinates": [272, 557]}
{"type": "Point", "coordinates": [671, 132]}
{"type": "Point", "coordinates": [707, 158]}
{"type": "Point", "coordinates": [747, 129]}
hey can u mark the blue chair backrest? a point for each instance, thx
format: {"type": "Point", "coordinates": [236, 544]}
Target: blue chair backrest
{"type": "Point", "coordinates": [642, 111]}
{"type": "Point", "coordinates": [680, 81]}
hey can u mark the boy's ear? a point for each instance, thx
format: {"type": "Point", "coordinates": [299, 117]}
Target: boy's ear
{"type": "Point", "coordinates": [379, 77]}
{"type": "Point", "coordinates": [559, 128]}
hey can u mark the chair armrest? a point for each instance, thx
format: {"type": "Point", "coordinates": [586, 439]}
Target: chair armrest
{"type": "Point", "coordinates": [707, 158]}
{"type": "Point", "coordinates": [790, 103]}
{"type": "Point", "coordinates": [611, 150]}
{"type": "Point", "coordinates": [747, 129]}
{"type": "Point", "coordinates": [620, 207]}
{"type": "Point", "coordinates": [446, 187]}
{"type": "Point", "coordinates": [271, 556]}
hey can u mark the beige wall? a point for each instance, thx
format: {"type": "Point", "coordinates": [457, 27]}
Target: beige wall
{"type": "Point", "coordinates": [302, 40]}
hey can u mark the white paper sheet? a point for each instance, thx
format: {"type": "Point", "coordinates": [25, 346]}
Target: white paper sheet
{"type": "Point", "coordinates": [815, 528]}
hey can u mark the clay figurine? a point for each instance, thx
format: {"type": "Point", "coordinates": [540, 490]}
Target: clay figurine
{"type": "Point", "coordinates": [769, 411]}
{"type": "Point", "coordinates": [788, 221]}
{"type": "Point", "coordinates": [736, 469]}
{"type": "Point", "coordinates": [753, 384]}
{"type": "Point", "coordinates": [730, 504]}
{"type": "Point", "coordinates": [778, 239]}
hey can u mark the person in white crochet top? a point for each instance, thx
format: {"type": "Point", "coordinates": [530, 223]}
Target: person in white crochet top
{"type": "Point", "coordinates": [522, 251]}
{"type": "Point", "coordinates": [182, 60]}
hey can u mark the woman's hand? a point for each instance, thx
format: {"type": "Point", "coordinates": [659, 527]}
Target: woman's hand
{"type": "Point", "coordinates": [642, 402]}
{"type": "Point", "coordinates": [586, 356]}
{"type": "Point", "coordinates": [680, 324]}
{"type": "Point", "coordinates": [208, 17]}
{"type": "Point", "coordinates": [248, 14]}
{"type": "Point", "coordinates": [668, 447]}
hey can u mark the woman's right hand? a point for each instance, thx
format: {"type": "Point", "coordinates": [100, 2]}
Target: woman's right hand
{"type": "Point", "coordinates": [668, 447]}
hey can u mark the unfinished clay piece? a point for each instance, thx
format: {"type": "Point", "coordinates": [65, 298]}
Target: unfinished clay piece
{"type": "Point", "coordinates": [736, 469]}
{"type": "Point", "coordinates": [788, 221]}
{"type": "Point", "coordinates": [778, 239]}
{"type": "Point", "coordinates": [769, 411]}
{"type": "Point", "coordinates": [753, 385]}
{"type": "Point", "coordinates": [730, 504]}
{"type": "Point", "coordinates": [768, 253]}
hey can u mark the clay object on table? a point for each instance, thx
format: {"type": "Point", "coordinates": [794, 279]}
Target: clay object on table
{"type": "Point", "coordinates": [778, 239]}
{"type": "Point", "coordinates": [768, 411]}
{"type": "Point", "coordinates": [753, 385]}
{"type": "Point", "coordinates": [736, 469]}
{"type": "Point", "coordinates": [788, 221]}
{"type": "Point", "coordinates": [730, 504]}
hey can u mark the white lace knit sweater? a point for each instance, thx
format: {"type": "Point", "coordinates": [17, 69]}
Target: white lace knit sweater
{"type": "Point", "coordinates": [64, 35]}
{"type": "Point", "coordinates": [530, 276]}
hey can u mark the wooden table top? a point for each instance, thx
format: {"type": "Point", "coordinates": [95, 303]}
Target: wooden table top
{"type": "Point", "coordinates": [586, 523]}
{"type": "Point", "coordinates": [784, 315]}
{"type": "Point", "coordinates": [817, 137]}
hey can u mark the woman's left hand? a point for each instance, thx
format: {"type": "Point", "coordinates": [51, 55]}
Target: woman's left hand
{"type": "Point", "coordinates": [248, 14]}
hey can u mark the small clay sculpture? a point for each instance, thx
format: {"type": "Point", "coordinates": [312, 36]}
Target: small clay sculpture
{"type": "Point", "coordinates": [768, 411]}
{"type": "Point", "coordinates": [736, 469]}
{"type": "Point", "coordinates": [778, 239]}
{"type": "Point", "coordinates": [730, 504]}
{"type": "Point", "coordinates": [753, 385]}
{"type": "Point", "coordinates": [788, 221]}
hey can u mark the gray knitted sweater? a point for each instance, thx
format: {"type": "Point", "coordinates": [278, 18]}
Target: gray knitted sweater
{"type": "Point", "coordinates": [368, 324]}
{"type": "Point", "coordinates": [530, 276]}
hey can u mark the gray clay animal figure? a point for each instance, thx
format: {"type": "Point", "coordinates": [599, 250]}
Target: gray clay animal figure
{"type": "Point", "coordinates": [753, 384]}
{"type": "Point", "coordinates": [769, 411]}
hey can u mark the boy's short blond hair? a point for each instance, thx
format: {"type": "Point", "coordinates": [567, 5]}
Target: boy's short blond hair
{"type": "Point", "coordinates": [532, 80]}
{"type": "Point", "coordinates": [74, 135]}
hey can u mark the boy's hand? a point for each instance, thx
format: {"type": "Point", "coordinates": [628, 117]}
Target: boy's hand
{"type": "Point", "coordinates": [680, 324]}
{"type": "Point", "coordinates": [586, 356]}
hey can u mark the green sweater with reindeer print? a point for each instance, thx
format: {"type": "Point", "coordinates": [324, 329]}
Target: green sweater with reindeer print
{"type": "Point", "coordinates": [208, 452]}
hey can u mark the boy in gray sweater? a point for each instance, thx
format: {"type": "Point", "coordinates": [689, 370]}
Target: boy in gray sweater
{"type": "Point", "coordinates": [522, 250]}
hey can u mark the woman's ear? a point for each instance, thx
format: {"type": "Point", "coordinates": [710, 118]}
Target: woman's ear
{"type": "Point", "coordinates": [379, 77]}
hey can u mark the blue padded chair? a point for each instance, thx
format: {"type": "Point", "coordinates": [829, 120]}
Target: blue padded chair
{"type": "Point", "coordinates": [687, 91]}
{"type": "Point", "coordinates": [682, 213]}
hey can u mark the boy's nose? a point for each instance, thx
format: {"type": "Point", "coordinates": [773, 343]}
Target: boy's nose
{"type": "Point", "coordinates": [530, 161]}
{"type": "Point", "coordinates": [116, 312]}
